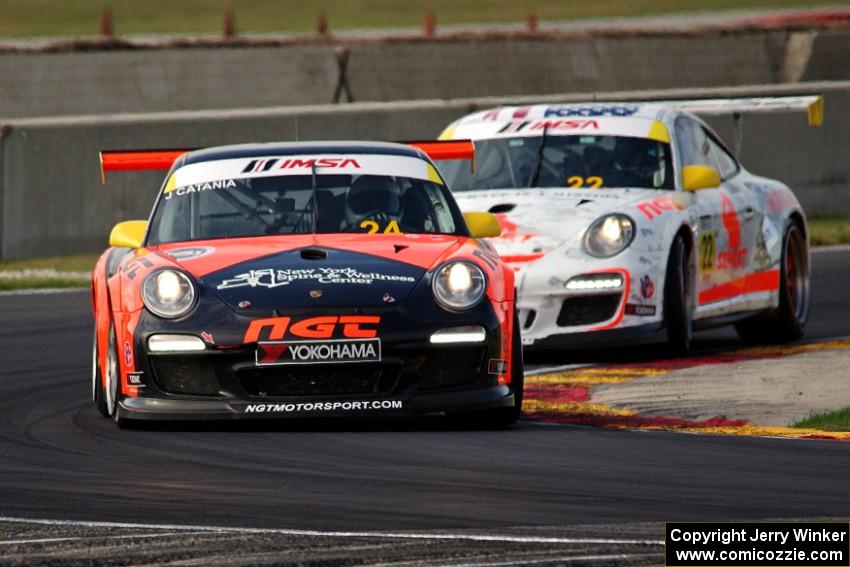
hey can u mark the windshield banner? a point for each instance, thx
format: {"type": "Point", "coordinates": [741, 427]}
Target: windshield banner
{"type": "Point", "coordinates": [207, 172]}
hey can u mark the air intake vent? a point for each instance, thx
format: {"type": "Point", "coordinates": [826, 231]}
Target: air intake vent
{"type": "Point", "coordinates": [502, 208]}
{"type": "Point", "coordinates": [314, 254]}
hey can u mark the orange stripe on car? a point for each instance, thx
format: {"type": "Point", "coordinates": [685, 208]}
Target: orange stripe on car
{"type": "Point", "coordinates": [752, 283]}
{"type": "Point", "coordinates": [622, 309]}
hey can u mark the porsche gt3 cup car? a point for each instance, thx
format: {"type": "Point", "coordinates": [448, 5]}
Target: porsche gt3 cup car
{"type": "Point", "coordinates": [630, 223]}
{"type": "Point", "coordinates": [303, 280]}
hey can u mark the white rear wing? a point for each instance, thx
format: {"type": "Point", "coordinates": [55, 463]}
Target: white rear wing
{"type": "Point", "coordinates": [811, 104]}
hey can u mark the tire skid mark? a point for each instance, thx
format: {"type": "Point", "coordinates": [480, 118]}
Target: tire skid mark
{"type": "Point", "coordinates": [565, 396]}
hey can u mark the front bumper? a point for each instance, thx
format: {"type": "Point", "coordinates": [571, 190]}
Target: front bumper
{"type": "Point", "coordinates": [650, 333]}
{"type": "Point", "coordinates": [225, 381]}
{"type": "Point", "coordinates": [552, 316]}
{"type": "Point", "coordinates": [423, 403]}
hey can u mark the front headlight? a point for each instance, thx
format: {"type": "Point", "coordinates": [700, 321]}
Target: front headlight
{"type": "Point", "coordinates": [609, 235]}
{"type": "Point", "coordinates": [168, 294]}
{"type": "Point", "coordinates": [459, 285]}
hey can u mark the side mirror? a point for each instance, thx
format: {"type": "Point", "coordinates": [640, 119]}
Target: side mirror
{"type": "Point", "coordinates": [482, 225]}
{"type": "Point", "coordinates": [128, 234]}
{"type": "Point", "coordinates": [696, 177]}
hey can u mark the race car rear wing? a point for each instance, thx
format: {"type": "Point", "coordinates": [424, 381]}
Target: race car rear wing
{"type": "Point", "coordinates": [812, 105]}
{"type": "Point", "coordinates": [142, 160]}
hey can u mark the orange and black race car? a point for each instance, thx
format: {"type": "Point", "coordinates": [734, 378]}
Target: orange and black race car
{"type": "Point", "coordinates": [304, 280]}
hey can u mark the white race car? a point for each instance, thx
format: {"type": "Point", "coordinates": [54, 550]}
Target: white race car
{"type": "Point", "coordinates": [633, 223]}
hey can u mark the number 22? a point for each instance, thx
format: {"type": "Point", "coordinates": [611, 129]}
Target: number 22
{"type": "Point", "coordinates": [577, 181]}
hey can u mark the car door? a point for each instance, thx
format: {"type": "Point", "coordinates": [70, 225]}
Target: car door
{"type": "Point", "coordinates": [739, 215]}
{"type": "Point", "coordinates": [725, 227]}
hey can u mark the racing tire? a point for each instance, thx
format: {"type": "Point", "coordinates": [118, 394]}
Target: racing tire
{"type": "Point", "coordinates": [678, 313]}
{"type": "Point", "coordinates": [787, 321]}
{"type": "Point", "coordinates": [98, 392]}
{"type": "Point", "coordinates": [500, 418]}
{"type": "Point", "coordinates": [112, 391]}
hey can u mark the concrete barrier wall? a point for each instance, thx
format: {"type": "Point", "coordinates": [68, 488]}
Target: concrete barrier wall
{"type": "Point", "coordinates": [196, 78]}
{"type": "Point", "coordinates": [52, 201]}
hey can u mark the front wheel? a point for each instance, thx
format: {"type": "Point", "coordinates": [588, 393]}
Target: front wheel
{"type": "Point", "coordinates": [113, 380]}
{"type": "Point", "coordinates": [98, 391]}
{"type": "Point", "coordinates": [501, 418]}
{"type": "Point", "coordinates": [788, 321]}
{"type": "Point", "coordinates": [678, 313]}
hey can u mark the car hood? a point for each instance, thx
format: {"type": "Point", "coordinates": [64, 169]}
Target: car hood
{"type": "Point", "coordinates": [322, 271]}
{"type": "Point", "coordinates": [536, 221]}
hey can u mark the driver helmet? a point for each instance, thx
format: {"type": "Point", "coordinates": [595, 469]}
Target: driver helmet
{"type": "Point", "coordinates": [370, 193]}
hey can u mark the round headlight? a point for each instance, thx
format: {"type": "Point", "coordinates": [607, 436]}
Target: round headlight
{"type": "Point", "coordinates": [609, 235]}
{"type": "Point", "coordinates": [168, 293]}
{"type": "Point", "coordinates": [459, 285]}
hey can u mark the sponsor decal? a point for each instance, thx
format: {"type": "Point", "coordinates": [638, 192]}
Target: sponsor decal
{"type": "Point", "coordinates": [271, 278]}
{"type": "Point", "coordinates": [325, 406]}
{"type": "Point", "coordinates": [133, 267]}
{"type": "Point", "coordinates": [244, 304]}
{"type": "Point", "coordinates": [565, 125]}
{"type": "Point", "coordinates": [707, 251]}
{"type": "Point", "coordinates": [730, 222]}
{"type": "Point", "coordinates": [511, 231]}
{"type": "Point", "coordinates": [732, 259]}
{"type": "Point", "coordinates": [780, 200]}
{"type": "Point", "coordinates": [318, 352]}
{"type": "Point", "coordinates": [388, 298]}
{"type": "Point", "coordinates": [339, 163]}
{"type": "Point", "coordinates": [316, 293]}
{"type": "Point", "coordinates": [515, 126]}
{"type": "Point", "coordinates": [599, 110]}
{"type": "Point", "coordinates": [207, 337]}
{"type": "Point", "coordinates": [658, 206]}
{"type": "Point", "coordinates": [135, 379]}
{"type": "Point", "coordinates": [497, 366]}
{"type": "Point", "coordinates": [200, 188]}
{"type": "Point", "coordinates": [128, 354]}
{"type": "Point", "coordinates": [487, 256]}
{"type": "Point", "coordinates": [647, 287]}
{"type": "Point", "coordinates": [760, 256]}
{"type": "Point", "coordinates": [640, 310]}
{"type": "Point", "coordinates": [735, 256]}
{"type": "Point", "coordinates": [257, 165]}
{"type": "Point", "coordinates": [190, 253]}
{"type": "Point", "coordinates": [322, 327]}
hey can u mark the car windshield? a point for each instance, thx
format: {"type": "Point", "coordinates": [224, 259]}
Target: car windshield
{"type": "Point", "coordinates": [289, 204]}
{"type": "Point", "coordinates": [564, 161]}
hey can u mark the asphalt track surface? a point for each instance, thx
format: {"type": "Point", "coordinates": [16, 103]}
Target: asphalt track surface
{"type": "Point", "coordinates": [365, 492]}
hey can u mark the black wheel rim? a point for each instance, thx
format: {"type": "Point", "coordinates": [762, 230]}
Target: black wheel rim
{"type": "Point", "coordinates": [796, 274]}
{"type": "Point", "coordinates": [111, 376]}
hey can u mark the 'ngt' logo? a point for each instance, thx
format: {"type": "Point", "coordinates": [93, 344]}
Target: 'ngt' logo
{"type": "Point", "coordinates": [323, 327]}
